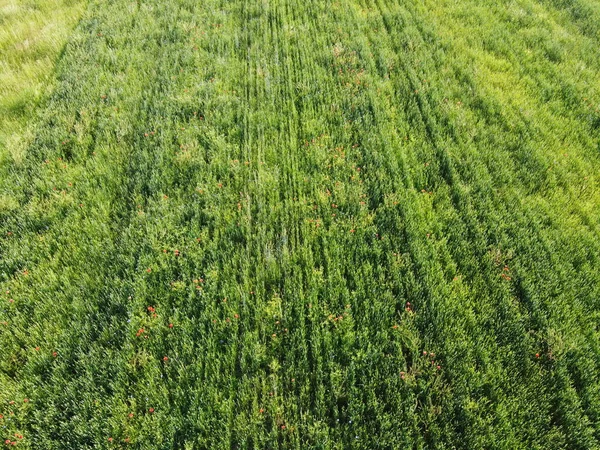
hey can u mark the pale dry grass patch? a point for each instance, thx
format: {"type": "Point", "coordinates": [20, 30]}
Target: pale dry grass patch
{"type": "Point", "coordinates": [32, 35]}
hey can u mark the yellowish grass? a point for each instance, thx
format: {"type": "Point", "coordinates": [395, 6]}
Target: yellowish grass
{"type": "Point", "coordinates": [32, 34]}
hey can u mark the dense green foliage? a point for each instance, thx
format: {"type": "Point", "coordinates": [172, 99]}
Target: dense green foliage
{"type": "Point", "coordinates": [32, 34]}
{"type": "Point", "coordinates": [309, 224]}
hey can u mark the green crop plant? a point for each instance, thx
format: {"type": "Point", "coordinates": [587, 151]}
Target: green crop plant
{"type": "Point", "coordinates": [307, 224]}
{"type": "Point", "coordinates": [32, 35]}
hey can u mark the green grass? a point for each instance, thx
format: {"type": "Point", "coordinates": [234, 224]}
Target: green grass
{"type": "Point", "coordinates": [32, 35]}
{"type": "Point", "coordinates": [307, 224]}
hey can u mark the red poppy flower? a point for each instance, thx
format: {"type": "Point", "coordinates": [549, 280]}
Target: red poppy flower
{"type": "Point", "coordinates": [151, 410]}
{"type": "Point", "coordinates": [165, 358]}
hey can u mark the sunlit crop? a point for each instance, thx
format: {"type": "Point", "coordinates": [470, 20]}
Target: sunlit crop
{"type": "Point", "coordinates": [304, 224]}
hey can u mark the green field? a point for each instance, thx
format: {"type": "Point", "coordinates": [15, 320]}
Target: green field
{"type": "Point", "coordinates": [32, 35]}
{"type": "Point", "coordinates": [300, 224]}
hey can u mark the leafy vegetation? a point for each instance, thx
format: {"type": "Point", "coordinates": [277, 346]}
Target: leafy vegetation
{"type": "Point", "coordinates": [308, 224]}
{"type": "Point", "coordinates": [32, 34]}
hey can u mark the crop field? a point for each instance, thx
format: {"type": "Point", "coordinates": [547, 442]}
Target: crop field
{"type": "Point", "coordinates": [300, 224]}
{"type": "Point", "coordinates": [32, 35]}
